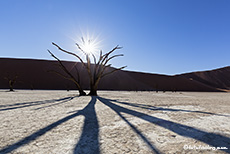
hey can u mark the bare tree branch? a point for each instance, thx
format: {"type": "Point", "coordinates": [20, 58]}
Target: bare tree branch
{"type": "Point", "coordinates": [95, 73]}
{"type": "Point", "coordinates": [105, 56]}
{"type": "Point", "coordinates": [106, 59]}
{"type": "Point", "coordinates": [69, 53]}
{"type": "Point", "coordinates": [112, 58]}
{"type": "Point", "coordinates": [102, 71]}
{"type": "Point", "coordinates": [79, 47]}
{"type": "Point", "coordinates": [94, 58]}
{"type": "Point", "coordinates": [65, 70]}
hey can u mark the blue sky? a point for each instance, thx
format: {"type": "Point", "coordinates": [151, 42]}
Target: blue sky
{"type": "Point", "coordinates": [157, 36]}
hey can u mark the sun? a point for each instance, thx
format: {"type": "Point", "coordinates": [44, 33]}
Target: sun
{"type": "Point", "coordinates": [89, 46]}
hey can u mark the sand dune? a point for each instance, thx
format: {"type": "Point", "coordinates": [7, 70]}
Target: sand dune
{"type": "Point", "coordinates": [33, 74]}
{"type": "Point", "coordinates": [218, 78]}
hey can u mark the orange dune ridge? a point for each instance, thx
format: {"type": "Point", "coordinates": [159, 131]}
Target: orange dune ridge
{"type": "Point", "coordinates": [35, 74]}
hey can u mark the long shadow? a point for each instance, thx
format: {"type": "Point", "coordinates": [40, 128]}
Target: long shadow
{"type": "Point", "coordinates": [60, 101]}
{"type": "Point", "coordinates": [89, 138]}
{"type": "Point", "coordinates": [28, 104]}
{"type": "Point", "coordinates": [212, 139]}
{"type": "Point", "coordinates": [142, 136]}
{"type": "Point", "coordinates": [154, 108]}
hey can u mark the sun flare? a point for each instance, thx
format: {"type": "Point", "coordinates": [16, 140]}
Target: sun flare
{"type": "Point", "coordinates": [89, 45]}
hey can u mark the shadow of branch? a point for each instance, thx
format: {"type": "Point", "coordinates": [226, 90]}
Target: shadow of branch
{"type": "Point", "coordinates": [29, 104]}
{"type": "Point", "coordinates": [89, 133]}
{"type": "Point", "coordinates": [154, 108]}
{"type": "Point", "coordinates": [213, 139]}
{"type": "Point", "coordinates": [143, 137]}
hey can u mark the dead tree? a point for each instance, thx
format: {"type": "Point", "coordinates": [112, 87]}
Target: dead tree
{"type": "Point", "coordinates": [99, 70]}
{"type": "Point", "coordinates": [69, 74]}
{"type": "Point", "coordinates": [11, 81]}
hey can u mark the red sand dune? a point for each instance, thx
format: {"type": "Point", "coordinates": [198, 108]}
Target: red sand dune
{"type": "Point", "coordinates": [33, 74]}
{"type": "Point", "coordinates": [218, 78]}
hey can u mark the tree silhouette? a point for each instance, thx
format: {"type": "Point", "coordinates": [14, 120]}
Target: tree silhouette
{"type": "Point", "coordinates": [70, 76]}
{"type": "Point", "coordinates": [97, 71]}
{"type": "Point", "coordinates": [11, 81]}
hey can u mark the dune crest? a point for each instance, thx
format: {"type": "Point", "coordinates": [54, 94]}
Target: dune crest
{"type": "Point", "coordinates": [33, 74]}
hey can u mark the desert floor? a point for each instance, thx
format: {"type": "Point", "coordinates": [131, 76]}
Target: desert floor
{"type": "Point", "coordinates": [59, 122]}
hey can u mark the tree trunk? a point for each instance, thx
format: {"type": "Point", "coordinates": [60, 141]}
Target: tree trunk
{"type": "Point", "coordinates": [93, 90]}
{"type": "Point", "coordinates": [11, 85]}
{"type": "Point", "coordinates": [82, 93]}
{"type": "Point", "coordinates": [11, 89]}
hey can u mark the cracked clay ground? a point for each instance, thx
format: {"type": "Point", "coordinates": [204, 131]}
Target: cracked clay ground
{"type": "Point", "coordinates": [59, 122]}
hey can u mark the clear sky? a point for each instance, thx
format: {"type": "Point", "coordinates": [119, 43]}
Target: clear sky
{"type": "Point", "coordinates": [157, 36]}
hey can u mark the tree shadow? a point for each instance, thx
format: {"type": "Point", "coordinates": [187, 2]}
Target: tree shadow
{"type": "Point", "coordinates": [29, 104]}
{"type": "Point", "coordinates": [154, 108]}
{"type": "Point", "coordinates": [212, 139]}
{"type": "Point", "coordinates": [89, 140]}
{"type": "Point", "coordinates": [61, 101]}
{"type": "Point", "coordinates": [142, 136]}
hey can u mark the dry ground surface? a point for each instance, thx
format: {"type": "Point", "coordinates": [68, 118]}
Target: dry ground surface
{"type": "Point", "coordinates": [59, 122]}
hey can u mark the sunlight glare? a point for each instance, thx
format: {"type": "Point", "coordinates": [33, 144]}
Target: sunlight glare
{"type": "Point", "coordinates": [90, 44]}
